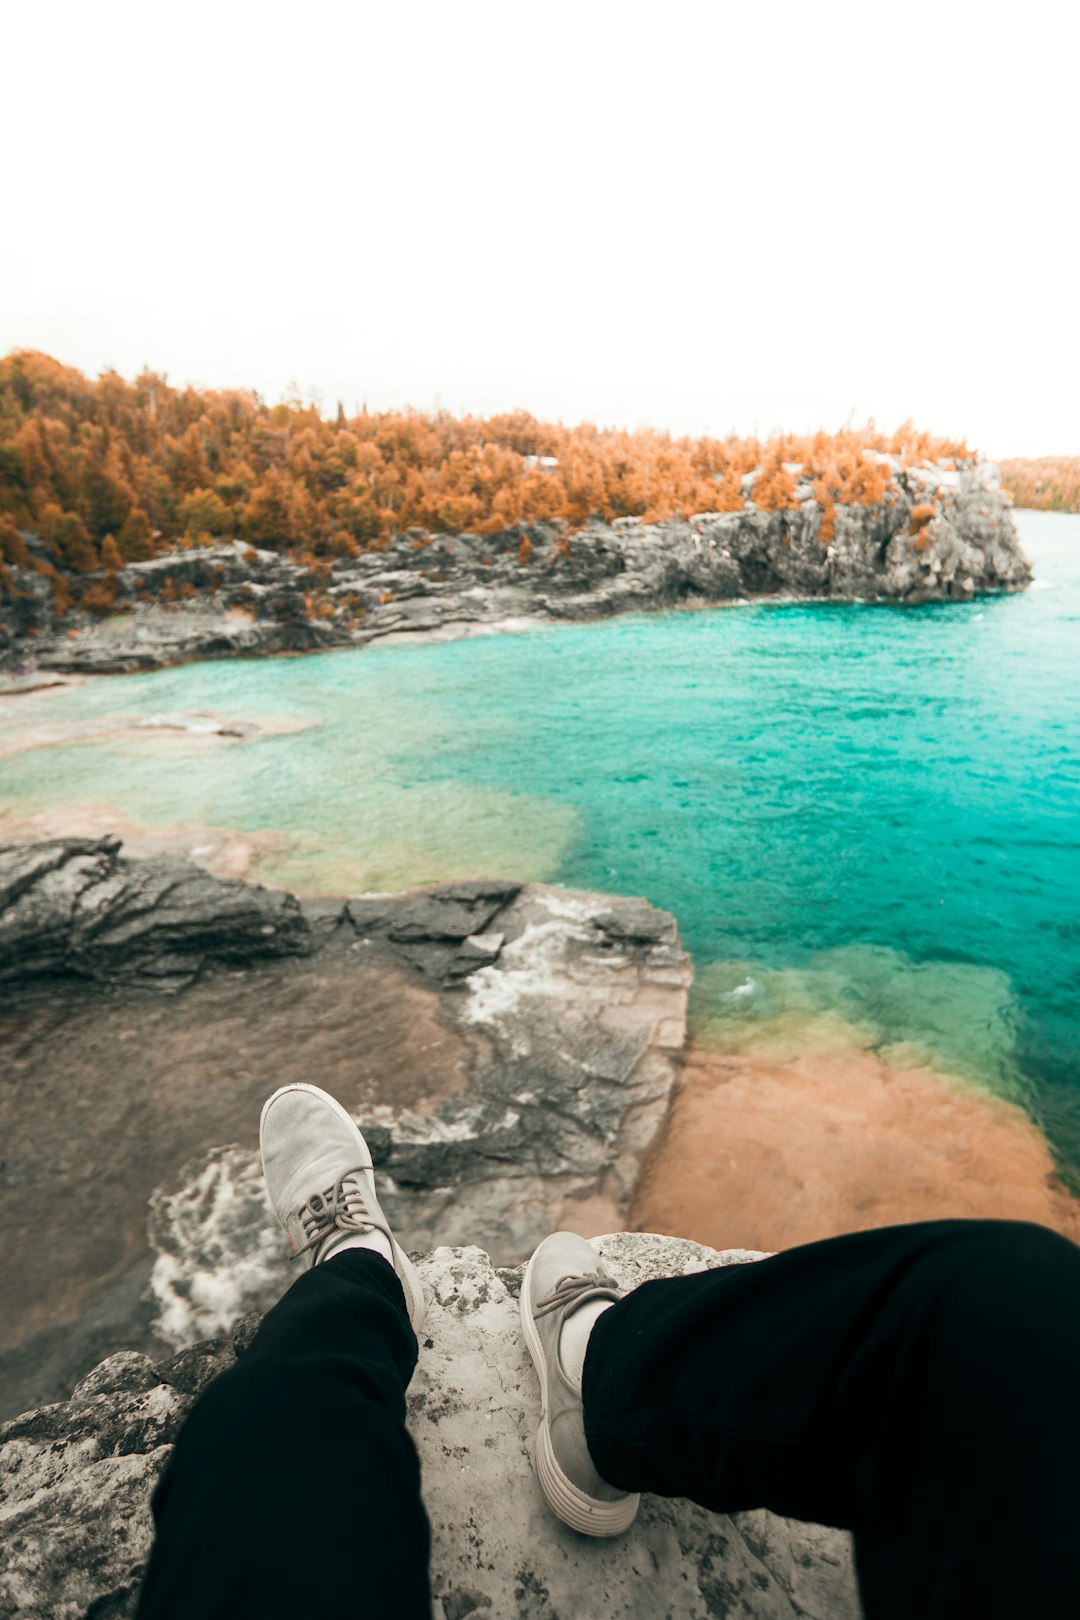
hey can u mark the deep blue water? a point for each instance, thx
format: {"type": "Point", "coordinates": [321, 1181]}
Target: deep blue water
{"type": "Point", "coordinates": [858, 809]}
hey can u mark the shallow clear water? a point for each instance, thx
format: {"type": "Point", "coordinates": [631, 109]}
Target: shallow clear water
{"type": "Point", "coordinates": [857, 812]}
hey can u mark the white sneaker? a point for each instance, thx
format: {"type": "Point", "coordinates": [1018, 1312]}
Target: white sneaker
{"type": "Point", "coordinates": [563, 1275]}
{"type": "Point", "coordinates": [319, 1177]}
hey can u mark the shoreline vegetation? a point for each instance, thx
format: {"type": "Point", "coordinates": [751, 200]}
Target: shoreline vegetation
{"type": "Point", "coordinates": [111, 472]}
{"type": "Point", "coordinates": [143, 506]}
{"type": "Point", "coordinates": [1045, 483]}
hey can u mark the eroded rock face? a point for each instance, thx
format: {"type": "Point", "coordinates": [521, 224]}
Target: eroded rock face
{"type": "Point", "coordinates": [75, 1481]}
{"type": "Point", "coordinates": [582, 1010]}
{"type": "Point", "coordinates": [254, 602]}
{"type": "Point", "coordinates": [77, 907]}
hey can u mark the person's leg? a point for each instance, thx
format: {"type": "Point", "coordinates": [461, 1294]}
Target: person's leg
{"type": "Point", "coordinates": [917, 1385]}
{"type": "Point", "coordinates": [293, 1486]}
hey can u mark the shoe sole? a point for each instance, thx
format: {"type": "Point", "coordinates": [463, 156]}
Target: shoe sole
{"type": "Point", "coordinates": [407, 1274]}
{"type": "Point", "coordinates": [567, 1501]}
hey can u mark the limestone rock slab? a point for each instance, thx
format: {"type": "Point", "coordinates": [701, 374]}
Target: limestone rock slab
{"type": "Point", "coordinates": [76, 1477]}
{"type": "Point", "coordinates": [76, 906]}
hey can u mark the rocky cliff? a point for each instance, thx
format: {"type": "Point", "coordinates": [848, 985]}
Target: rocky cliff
{"type": "Point", "coordinates": [939, 536]}
{"type": "Point", "coordinates": [76, 1478]}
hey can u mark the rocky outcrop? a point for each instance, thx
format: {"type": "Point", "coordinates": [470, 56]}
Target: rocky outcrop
{"type": "Point", "coordinates": [76, 1478]}
{"type": "Point", "coordinates": [940, 535]}
{"type": "Point", "coordinates": [561, 1018]}
{"type": "Point", "coordinates": [581, 1006]}
{"type": "Point", "coordinates": [76, 907]}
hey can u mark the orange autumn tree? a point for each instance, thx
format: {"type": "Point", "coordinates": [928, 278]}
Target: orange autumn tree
{"type": "Point", "coordinates": [1048, 483]}
{"type": "Point", "coordinates": [150, 466]}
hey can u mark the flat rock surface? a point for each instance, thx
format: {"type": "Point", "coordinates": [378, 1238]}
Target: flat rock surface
{"type": "Point", "coordinates": [75, 1482]}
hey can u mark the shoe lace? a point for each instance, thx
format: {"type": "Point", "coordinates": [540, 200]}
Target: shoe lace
{"type": "Point", "coordinates": [341, 1208]}
{"type": "Point", "coordinates": [575, 1290]}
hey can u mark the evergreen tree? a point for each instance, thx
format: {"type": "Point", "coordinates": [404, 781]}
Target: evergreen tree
{"type": "Point", "coordinates": [12, 545]}
{"type": "Point", "coordinates": [111, 559]}
{"type": "Point", "coordinates": [136, 537]}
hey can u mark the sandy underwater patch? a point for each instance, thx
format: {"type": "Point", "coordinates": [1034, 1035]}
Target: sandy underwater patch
{"type": "Point", "coordinates": [859, 1092]}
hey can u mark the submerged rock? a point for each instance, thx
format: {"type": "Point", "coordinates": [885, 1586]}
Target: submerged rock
{"type": "Point", "coordinates": [77, 1477]}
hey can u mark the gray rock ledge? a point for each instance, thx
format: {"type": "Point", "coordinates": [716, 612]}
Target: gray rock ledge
{"type": "Point", "coordinates": [76, 1478]}
{"type": "Point", "coordinates": [76, 907]}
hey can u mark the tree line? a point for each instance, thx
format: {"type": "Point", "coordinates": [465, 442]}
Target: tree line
{"type": "Point", "coordinates": [1050, 483]}
{"type": "Point", "coordinates": [105, 472]}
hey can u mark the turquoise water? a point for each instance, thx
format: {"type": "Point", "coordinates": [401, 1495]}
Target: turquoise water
{"type": "Point", "coordinates": [855, 811]}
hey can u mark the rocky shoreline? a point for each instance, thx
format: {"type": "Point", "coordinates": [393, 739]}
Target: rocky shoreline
{"type": "Point", "coordinates": [941, 536]}
{"type": "Point", "coordinates": [536, 1038]}
{"type": "Point", "coordinates": [518, 1055]}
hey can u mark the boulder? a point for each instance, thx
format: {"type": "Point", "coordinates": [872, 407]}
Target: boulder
{"type": "Point", "coordinates": [77, 907]}
{"type": "Point", "coordinates": [76, 1478]}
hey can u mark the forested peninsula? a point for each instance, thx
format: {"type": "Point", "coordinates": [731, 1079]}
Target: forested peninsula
{"type": "Point", "coordinates": [142, 524]}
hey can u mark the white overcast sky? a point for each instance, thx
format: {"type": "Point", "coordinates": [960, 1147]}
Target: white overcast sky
{"type": "Point", "coordinates": [700, 216]}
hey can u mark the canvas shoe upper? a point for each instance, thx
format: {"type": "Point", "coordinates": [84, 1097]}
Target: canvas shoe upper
{"type": "Point", "coordinates": [564, 1274]}
{"type": "Point", "coordinates": [320, 1182]}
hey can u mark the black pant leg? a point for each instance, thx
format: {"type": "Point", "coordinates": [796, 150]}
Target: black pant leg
{"type": "Point", "coordinates": [918, 1385]}
{"type": "Point", "coordinates": [293, 1488]}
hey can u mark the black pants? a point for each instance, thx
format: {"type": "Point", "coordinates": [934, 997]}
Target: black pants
{"type": "Point", "coordinates": [919, 1385]}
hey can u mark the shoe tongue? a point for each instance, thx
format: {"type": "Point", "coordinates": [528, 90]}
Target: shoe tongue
{"type": "Point", "coordinates": [598, 1290]}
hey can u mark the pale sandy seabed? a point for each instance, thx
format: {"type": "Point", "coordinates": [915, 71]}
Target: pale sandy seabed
{"type": "Point", "coordinates": [768, 1148]}
{"type": "Point", "coordinates": [220, 850]}
{"type": "Point", "coordinates": [180, 734]}
{"type": "Point", "coordinates": [408, 834]}
{"type": "Point", "coordinates": [224, 851]}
